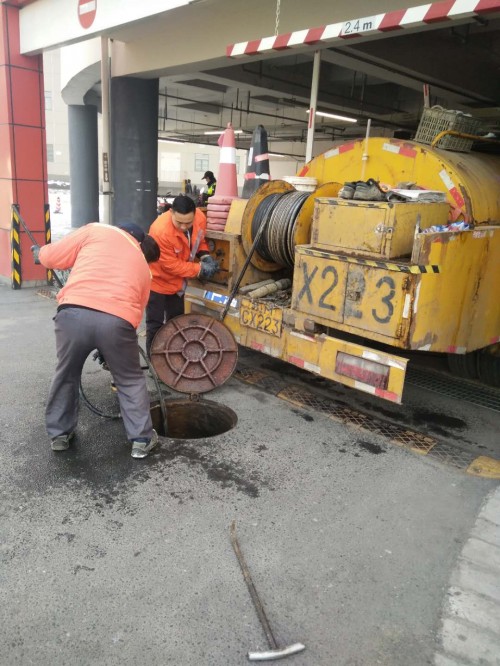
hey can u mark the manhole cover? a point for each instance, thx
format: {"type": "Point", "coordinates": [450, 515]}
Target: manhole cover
{"type": "Point", "coordinates": [194, 353]}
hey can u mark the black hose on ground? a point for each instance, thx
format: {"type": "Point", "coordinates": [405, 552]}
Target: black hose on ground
{"type": "Point", "coordinates": [156, 381]}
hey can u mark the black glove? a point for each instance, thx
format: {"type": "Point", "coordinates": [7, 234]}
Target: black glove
{"type": "Point", "coordinates": [36, 251]}
{"type": "Point", "coordinates": [208, 268]}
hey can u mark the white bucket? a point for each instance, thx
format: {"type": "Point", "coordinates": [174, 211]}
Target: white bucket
{"type": "Point", "coordinates": [301, 183]}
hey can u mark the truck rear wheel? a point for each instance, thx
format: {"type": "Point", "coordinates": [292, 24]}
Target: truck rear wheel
{"type": "Point", "coordinates": [464, 365]}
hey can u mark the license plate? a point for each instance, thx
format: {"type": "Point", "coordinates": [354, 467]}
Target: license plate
{"type": "Point", "coordinates": [261, 317]}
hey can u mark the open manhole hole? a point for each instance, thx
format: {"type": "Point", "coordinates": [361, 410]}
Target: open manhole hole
{"type": "Point", "coordinates": [193, 419]}
{"type": "Point", "coordinates": [193, 354]}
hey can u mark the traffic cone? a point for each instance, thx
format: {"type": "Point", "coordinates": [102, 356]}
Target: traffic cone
{"type": "Point", "coordinates": [57, 209]}
{"type": "Point", "coordinates": [227, 182]}
{"type": "Point", "coordinates": [258, 163]}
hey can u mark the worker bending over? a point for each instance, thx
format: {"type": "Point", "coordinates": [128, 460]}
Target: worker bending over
{"type": "Point", "coordinates": [100, 307]}
{"type": "Point", "coordinates": [180, 234]}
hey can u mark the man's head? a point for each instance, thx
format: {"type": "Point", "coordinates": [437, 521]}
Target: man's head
{"type": "Point", "coordinates": [183, 211]}
{"type": "Point", "coordinates": [208, 176]}
{"type": "Point", "coordinates": [133, 229]}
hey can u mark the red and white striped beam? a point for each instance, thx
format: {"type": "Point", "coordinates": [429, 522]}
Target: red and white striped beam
{"type": "Point", "coordinates": [412, 18]}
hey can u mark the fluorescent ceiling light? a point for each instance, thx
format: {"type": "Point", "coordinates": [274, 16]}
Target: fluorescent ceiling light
{"type": "Point", "coordinates": [170, 140]}
{"type": "Point", "coordinates": [335, 116]}
{"type": "Point", "coordinates": [222, 132]}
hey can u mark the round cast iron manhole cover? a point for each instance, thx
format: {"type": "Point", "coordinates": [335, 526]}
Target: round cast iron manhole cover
{"type": "Point", "coordinates": [194, 353]}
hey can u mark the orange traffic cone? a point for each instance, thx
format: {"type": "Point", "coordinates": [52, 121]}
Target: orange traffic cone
{"type": "Point", "coordinates": [227, 182]}
{"type": "Point", "coordinates": [258, 163]}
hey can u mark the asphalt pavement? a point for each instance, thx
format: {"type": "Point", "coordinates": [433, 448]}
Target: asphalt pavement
{"type": "Point", "coordinates": [365, 551]}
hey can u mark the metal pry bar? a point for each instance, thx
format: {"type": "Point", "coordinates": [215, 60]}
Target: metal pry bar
{"type": "Point", "coordinates": [275, 652]}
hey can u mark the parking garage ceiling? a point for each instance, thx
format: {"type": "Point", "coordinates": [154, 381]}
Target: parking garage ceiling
{"type": "Point", "coordinates": [378, 80]}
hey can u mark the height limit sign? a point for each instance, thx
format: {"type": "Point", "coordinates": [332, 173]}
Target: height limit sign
{"type": "Point", "coordinates": [86, 12]}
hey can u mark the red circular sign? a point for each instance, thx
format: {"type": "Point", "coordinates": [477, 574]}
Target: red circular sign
{"type": "Point", "coordinates": [86, 12]}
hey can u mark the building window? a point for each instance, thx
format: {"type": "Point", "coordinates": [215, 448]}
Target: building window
{"type": "Point", "coordinates": [170, 167]}
{"type": "Point", "coordinates": [48, 100]}
{"type": "Point", "coordinates": [50, 152]}
{"type": "Point", "coordinates": [201, 162]}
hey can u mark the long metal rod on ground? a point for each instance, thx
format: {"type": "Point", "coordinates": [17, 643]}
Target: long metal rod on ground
{"type": "Point", "coordinates": [275, 652]}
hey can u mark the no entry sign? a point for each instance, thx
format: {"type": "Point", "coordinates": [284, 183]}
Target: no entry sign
{"type": "Point", "coordinates": [86, 12]}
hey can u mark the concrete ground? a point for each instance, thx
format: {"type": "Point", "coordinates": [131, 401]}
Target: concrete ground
{"type": "Point", "coordinates": [364, 551]}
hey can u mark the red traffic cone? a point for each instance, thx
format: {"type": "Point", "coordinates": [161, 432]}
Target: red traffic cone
{"type": "Point", "coordinates": [258, 163]}
{"type": "Point", "coordinates": [227, 182]}
{"type": "Point", "coordinates": [57, 209]}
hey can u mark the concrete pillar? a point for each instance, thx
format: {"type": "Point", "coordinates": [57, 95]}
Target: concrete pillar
{"type": "Point", "coordinates": [83, 164]}
{"type": "Point", "coordinates": [23, 156]}
{"type": "Point", "coordinates": [134, 149]}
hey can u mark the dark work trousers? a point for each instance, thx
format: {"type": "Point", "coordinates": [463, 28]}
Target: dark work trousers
{"type": "Point", "coordinates": [161, 308]}
{"type": "Point", "coordinates": [78, 332]}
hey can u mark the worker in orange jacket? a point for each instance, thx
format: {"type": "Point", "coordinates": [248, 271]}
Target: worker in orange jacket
{"type": "Point", "coordinates": [100, 307]}
{"type": "Point", "coordinates": [180, 234]}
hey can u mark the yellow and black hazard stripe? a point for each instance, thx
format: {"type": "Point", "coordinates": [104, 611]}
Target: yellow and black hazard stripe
{"type": "Point", "coordinates": [48, 237]}
{"type": "Point", "coordinates": [415, 269]}
{"type": "Point", "coordinates": [15, 244]}
{"type": "Point", "coordinates": [402, 268]}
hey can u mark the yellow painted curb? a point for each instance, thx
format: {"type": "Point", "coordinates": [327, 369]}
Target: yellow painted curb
{"type": "Point", "coordinates": [489, 468]}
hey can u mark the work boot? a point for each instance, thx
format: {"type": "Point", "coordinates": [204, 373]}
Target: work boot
{"type": "Point", "coordinates": [61, 442]}
{"type": "Point", "coordinates": [347, 191]}
{"type": "Point", "coordinates": [142, 446]}
{"type": "Point", "coordinates": [369, 191]}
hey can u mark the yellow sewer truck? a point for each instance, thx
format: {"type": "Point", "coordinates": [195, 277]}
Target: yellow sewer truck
{"type": "Point", "coordinates": [365, 278]}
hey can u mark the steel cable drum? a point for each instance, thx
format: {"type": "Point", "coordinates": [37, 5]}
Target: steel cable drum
{"type": "Point", "coordinates": [278, 235]}
{"type": "Point", "coordinates": [262, 214]}
{"type": "Point", "coordinates": [290, 224]}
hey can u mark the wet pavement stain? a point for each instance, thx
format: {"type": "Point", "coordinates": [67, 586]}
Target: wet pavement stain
{"type": "Point", "coordinates": [303, 415]}
{"type": "Point", "coordinates": [371, 447]}
{"type": "Point", "coordinates": [65, 535]}
{"type": "Point", "coordinates": [82, 567]}
{"type": "Point", "coordinates": [99, 468]}
{"type": "Point", "coordinates": [223, 473]}
{"type": "Point", "coordinates": [436, 418]}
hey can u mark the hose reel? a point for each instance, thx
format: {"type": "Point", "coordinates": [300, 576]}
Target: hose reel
{"type": "Point", "coordinates": [287, 216]}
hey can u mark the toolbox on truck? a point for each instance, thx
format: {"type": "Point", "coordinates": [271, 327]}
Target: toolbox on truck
{"type": "Point", "coordinates": [372, 228]}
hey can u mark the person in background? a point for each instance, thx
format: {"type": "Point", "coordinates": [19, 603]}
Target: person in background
{"type": "Point", "coordinates": [180, 234]}
{"type": "Point", "coordinates": [209, 178]}
{"type": "Point", "coordinates": [100, 307]}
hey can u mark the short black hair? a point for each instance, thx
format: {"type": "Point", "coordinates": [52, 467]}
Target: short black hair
{"type": "Point", "coordinates": [150, 249]}
{"type": "Point", "coordinates": [183, 204]}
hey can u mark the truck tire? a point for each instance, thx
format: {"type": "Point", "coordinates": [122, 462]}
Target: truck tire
{"type": "Point", "coordinates": [464, 365]}
{"type": "Point", "coordinates": [488, 366]}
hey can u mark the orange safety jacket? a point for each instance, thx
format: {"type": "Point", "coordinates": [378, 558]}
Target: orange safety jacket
{"type": "Point", "coordinates": [177, 253]}
{"type": "Point", "coordinates": [108, 271]}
